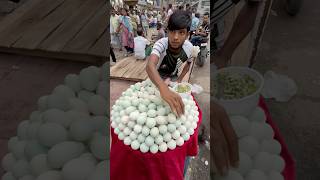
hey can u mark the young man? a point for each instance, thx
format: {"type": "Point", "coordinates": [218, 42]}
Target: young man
{"type": "Point", "coordinates": [140, 44]}
{"type": "Point", "coordinates": [167, 56]}
{"type": "Point", "coordinates": [202, 31]}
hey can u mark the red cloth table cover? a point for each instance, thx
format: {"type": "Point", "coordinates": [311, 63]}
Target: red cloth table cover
{"type": "Point", "coordinates": [129, 164]}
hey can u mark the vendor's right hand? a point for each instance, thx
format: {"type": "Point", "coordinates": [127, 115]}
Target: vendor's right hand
{"type": "Point", "coordinates": [174, 100]}
{"type": "Point", "coordinates": [224, 145]}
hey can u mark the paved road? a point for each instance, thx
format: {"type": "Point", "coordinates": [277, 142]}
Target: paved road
{"type": "Point", "coordinates": [291, 46]}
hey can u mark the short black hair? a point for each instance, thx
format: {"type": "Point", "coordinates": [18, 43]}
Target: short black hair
{"type": "Point", "coordinates": [179, 20]}
{"type": "Point", "coordinates": [206, 14]}
{"type": "Point", "coordinates": [197, 15]}
{"type": "Point", "coordinates": [159, 25]}
{"type": "Point", "coordinates": [187, 5]}
{"type": "Point", "coordinates": [139, 31]}
{"type": "Point", "coordinates": [170, 5]}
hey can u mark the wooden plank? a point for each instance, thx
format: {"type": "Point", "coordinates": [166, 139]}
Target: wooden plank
{"type": "Point", "coordinates": [67, 31]}
{"type": "Point", "coordinates": [64, 56]}
{"type": "Point", "coordinates": [137, 68]}
{"type": "Point", "coordinates": [88, 36]}
{"type": "Point", "coordinates": [37, 33]}
{"type": "Point", "coordinates": [100, 48]}
{"type": "Point", "coordinates": [35, 14]}
{"type": "Point", "coordinates": [11, 18]}
{"type": "Point", "coordinates": [120, 67]}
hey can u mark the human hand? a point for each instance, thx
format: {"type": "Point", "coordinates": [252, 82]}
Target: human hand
{"type": "Point", "coordinates": [174, 100]}
{"type": "Point", "coordinates": [224, 147]}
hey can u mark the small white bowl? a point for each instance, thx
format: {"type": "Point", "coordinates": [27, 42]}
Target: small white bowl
{"type": "Point", "coordinates": [185, 94]}
{"type": "Point", "coordinates": [243, 106]}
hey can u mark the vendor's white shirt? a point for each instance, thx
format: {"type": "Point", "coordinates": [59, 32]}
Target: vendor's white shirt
{"type": "Point", "coordinates": [140, 44]}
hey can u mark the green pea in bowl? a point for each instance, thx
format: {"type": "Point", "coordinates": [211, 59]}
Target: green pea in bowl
{"type": "Point", "coordinates": [184, 89]}
{"type": "Point", "coordinates": [237, 89]}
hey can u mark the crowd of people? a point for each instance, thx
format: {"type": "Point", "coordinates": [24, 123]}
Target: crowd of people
{"type": "Point", "coordinates": [129, 28]}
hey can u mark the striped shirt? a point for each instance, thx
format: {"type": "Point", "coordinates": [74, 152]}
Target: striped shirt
{"type": "Point", "coordinates": [169, 63]}
{"type": "Point", "coordinates": [220, 9]}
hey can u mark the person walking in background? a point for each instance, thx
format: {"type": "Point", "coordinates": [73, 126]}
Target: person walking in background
{"type": "Point", "coordinates": [194, 23]}
{"type": "Point", "coordinates": [161, 33]}
{"type": "Point", "coordinates": [134, 23]}
{"type": "Point", "coordinates": [144, 23]}
{"type": "Point", "coordinates": [114, 26]}
{"type": "Point", "coordinates": [114, 60]}
{"type": "Point", "coordinates": [127, 32]}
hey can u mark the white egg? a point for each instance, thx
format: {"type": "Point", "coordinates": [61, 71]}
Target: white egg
{"type": "Point", "coordinates": [97, 105]}
{"type": "Point", "coordinates": [90, 157]}
{"type": "Point", "coordinates": [89, 79]}
{"type": "Point", "coordinates": [255, 174]}
{"type": "Point", "coordinates": [133, 136]}
{"type": "Point", "coordinates": [163, 147]}
{"type": "Point", "coordinates": [258, 115]}
{"type": "Point", "coordinates": [57, 101]}
{"type": "Point", "coordinates": [135, 145]}
{"type": "Point", "coordinates": [167, 108]}
{"type": "Point", "coordinates": [277, 163]}
{"type": "Point", "coordinates": [134, 115]}
{"type": "Point", "coordinates": [161, 120]}
{"type": "Point", "coordinates": [171, 118]}
{"type": "Point", "coordinates": [33, 148]}
{"type": "Point", "coordinates": [188, 124]}
{"type": "Point", "coordinates": [271, 146]}
{"type": "Point", "coordinates": [121, 126]}
{"type": "Point", "coordinates": [121, 136]}
{"type": "Point", "coordinates": [190, 131]}
{"type": "Point", "coordinates": [152, 106]}
{"type": "Point", "coordinates": [127, 131]}
{"type": "Point", "coordinates": [180, 141]}
{"type": "Point", "coordinates": [144, 148]}
{"type": "Point", "coordinates": [137, 128]}
{"type": "Point", "coordinates": [77, 169]}
{"type": "Point", "coordinates": [125, 119]}
{"type": "Point", "coordinates": [161, 111]}
{"type": "Point", "coordinates": [141, 138]}
{"type": "Point", "coordinates": [135, 102]}
{"type": "Point", "coordinates": [241, 125]}
{"type": "Point", "coordinates": [172, 144]}
{"type": "Point", "coordinates": [61, 153]}
{"type": "Point", "coordinates": [245, 163]}
{"type": "Point", "coordinates": [273, 175]}
{"type": "Point", "coordinates": [127, 141]}
{"type": "Point", "coordinates": [145, 131]}
{"type": "Point", "coordinates": [154, 132]}
{"type": "Point", "coordinates": [183, 118]}
{"type": "Point", "coordinates": [154, 149]}
{"type": "Point", "coordinates": [249, 145]}
{"type": "Point", "coordinates": [8, 162]}
{"type": "Point", "coordinates": [65, 91]}
{"type": "Point", "coordinates": [151, 122]}
{"type": "Point", "coordinates": [100, 171]}
{"type": "Point", "coordinates": [167, 137]}
{"type": "Point", "coordinates": [12, 142]}
{"type": "Point", "coordinates": [231, 175]}
{"type": "Point", "coordinates": [50, 175]}
{"type": "Point", "coordinates": [182, 130]}
{"type": "Point", "coordinates": [141, 119]}
{"type": "Point", "coordinates": [18, 149]}
{"type": "Point", "coordinates": [117, 131]}
{"type": "Point", "coordinates": [142, 108]}
{"type": "Point", "coordinates": [78, 104]}
{"type": "Point", "coordinates": [194, 125]}
{"type": "Point", "coordinates": [175, 134]}
{"type": "Point", "coordinates": [261, 131]}
{"type": "Point", "coordinates": [163, 129]}
{"type": "Point", "coordinates": [131, 124]}
{"type": "Point", "coordinates": [158, 140]}
{"type": "Point", "coordinates": [130, 109]}
{"type": "Point", "coordinates": [85, 95]}
{"type": "Point", "coordinates": [152, 113]}
{"type": "Point", "coordinates": [75, 116]}
{"type": "Point", "coordinates": [21, 168]}
{"type": "Point", "coordinates": [125, 104]}
{"type": "Point", "coordinates": [149, 141]}
{"type": "Point", "coordinates": [114, 124]}
{"type": "Point", "coordinates": [98, 146]}
{"type": "Point", "coordinates": [36, 116]}
{"type": "Point", "coordinates": [146, 102]}
{"type": "Point", "coordinates": [263, 161]}
{"type": "Point", "coordinates": [81, 130]}
{"type": "Point", "coordinates": [171, 128]}
{"type": "Point", "coordinates": [50, 134]}
{"type": "Point", "coordinates": [56, 116]}
{"type": "Point", "coordinates": [186, 137]}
